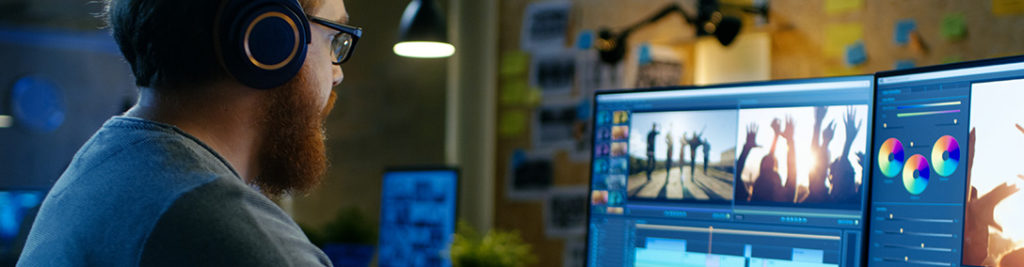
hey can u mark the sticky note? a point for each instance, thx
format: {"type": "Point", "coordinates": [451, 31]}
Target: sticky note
{"type": "Point", "coordinates": [954, 27]}
{"type": "Point", "coordinates": [902, 31]}
{"type": "Point", "coordinates": [840, 35]}
{"type": "Point", "coordinates": [904, 64]}
{"type": "Point", "coordinates": [833, 7]}
{"type": "Point", "coordinates": [644, 54]}
{"type": "Point", "coordinates": [514, 92]}
{"type": "Point", "coordinates": [514, 63]}
{"type": "Point", "coordinates": [856, 54]}
{"type": "Point", "coordinates": [585, 40]}
{"type": "Point", "coordinates": [1007, 7]}
{"type": "Point", "coordinates": [533, 96]}
{"type": "Point", "coordinates": [512, 123]}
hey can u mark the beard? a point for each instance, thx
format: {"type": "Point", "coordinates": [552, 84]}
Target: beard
{"type": "Point", "coordinates": [291, 156]}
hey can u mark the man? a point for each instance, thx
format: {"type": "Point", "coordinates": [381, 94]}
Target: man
{"type": "Point", "coordinates": [174, 181]}
{"type": "Point", "coordinates": [668, 153]}
{"type": "Point", "coordinates": [651, 138]}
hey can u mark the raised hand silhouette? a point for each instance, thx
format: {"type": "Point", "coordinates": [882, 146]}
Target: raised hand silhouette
{"type": "Point", "coordinates": [852, 124]}
{"type": "Point", "coordinates": [741, 190]}
{"type": "Point", "coordinates": [827, 134]}
{"type": "Point", "coordinates": [751, 136]}
{"type": "Point", "coordinates": [790, 125]}
{"type": "Point", "coordinates": [777, 126]}
{"type": "Point", "coordinates": [819, 113]}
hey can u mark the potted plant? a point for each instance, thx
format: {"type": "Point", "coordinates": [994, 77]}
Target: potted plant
{"type": "Point", "coordinates": [497, 248]}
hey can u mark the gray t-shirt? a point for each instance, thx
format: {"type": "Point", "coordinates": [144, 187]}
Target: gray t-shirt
{"type": "Point", "coordinates": [145, 193]}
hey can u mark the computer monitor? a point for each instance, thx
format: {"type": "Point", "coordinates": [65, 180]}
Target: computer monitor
{"type": "Point", "coordinates": [17, 210]}
{"type": "Point", "coordinates": [946, 177]}
{"type": "Point", "coordinates": [417, 216]}
{"type": "Point", "coordinates": [752, 174]}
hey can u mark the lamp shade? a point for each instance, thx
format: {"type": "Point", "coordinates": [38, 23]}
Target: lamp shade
{"type": "Point", "coordinates": [423, 32]}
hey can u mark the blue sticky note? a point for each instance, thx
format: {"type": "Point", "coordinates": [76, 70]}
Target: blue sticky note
{"type": "Point", "coordinates": [855, 54]}
{"type": "Point", "coordinates": [901, 35]}
{"type": "Point", "coordinates": [518, 157]}
{"type": "Point", "coordinates": [585, 40]}
{"type": "Point", "coordinates": [644, 55]}
{"type": "Point", "coordinates": [904, 64]}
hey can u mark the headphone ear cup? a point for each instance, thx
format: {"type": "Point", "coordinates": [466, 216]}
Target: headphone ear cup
{"type": "Point", "coordinates": [263, 43]}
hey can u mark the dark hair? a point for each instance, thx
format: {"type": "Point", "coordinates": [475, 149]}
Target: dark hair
{"type": "Point", "coordinates": [170, 42]}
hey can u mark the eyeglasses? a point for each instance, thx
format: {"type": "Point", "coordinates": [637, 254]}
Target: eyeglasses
{"type": "Point", "coordinates": [344, 42]}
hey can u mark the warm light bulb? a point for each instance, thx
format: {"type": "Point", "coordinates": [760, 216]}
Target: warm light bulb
{"type": "Point", "coordinates": [421, 49]}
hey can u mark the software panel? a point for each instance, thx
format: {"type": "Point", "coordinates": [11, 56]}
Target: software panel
{"type": "Point", "coordinates": [948, 172]}
{"type": "Point", "coordinates": [755, 174]}
{"type": "Point", "coordinates": [417, 217]}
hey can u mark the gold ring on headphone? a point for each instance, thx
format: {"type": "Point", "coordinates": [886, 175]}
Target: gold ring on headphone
{"type": "Point", "coordinates": [295, 47]}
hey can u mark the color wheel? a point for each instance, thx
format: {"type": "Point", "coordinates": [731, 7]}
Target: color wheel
{"type": "Point", "coordinates": [915, 174]}
{"type": "Point", "coordinates": [890, 157]}
{"type": "Point", "coordinates": [945, 155]}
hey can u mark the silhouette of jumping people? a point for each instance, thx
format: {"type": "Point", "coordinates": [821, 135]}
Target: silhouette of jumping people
{"type": "Point", "coordinates": [651, 136]}
{"type": "Point", "coordinates": [668, 153]}
{"type": "Point", "coordinates": [817, 191]}
{"type": "Point", "coordinates": [694, 142]}
{"type": "Point", "coordinates": [844, 187]}
{"type": "Point", "coordinates": [707, 152]}
{"type": "Point", "coordinates": [682, 154]}
{"type": "Point", "coordinates": [768, 185]}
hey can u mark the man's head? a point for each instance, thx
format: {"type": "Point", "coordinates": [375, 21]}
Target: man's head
{"type": "Point", "coordinates": [171, 48]}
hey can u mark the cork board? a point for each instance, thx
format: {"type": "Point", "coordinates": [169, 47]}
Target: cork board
{"type": "Point", "coordinates": [804, 43]}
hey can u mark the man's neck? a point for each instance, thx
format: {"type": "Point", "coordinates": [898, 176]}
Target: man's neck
{"type": "Point", "coordinates": [221, 115]}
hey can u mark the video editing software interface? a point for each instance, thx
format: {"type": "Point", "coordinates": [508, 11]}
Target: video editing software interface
{"type": "Point", "coordinates": [417, 217]}
{"type": "Point", "coordinates": [945, 188]}
{"type": "Point", "coordinates": [756, 174]}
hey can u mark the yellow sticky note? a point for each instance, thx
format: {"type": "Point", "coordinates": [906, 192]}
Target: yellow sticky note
{"type": "Point", "coordinates": [833, 7]}
{"type": "Point", "coordinates": [839, 36]}
{"type": "Point", "coordinates": [533, 96]}
{"type": "Point", "coordinates": [514, 92]}
{"type": "Point", "coordinates": [1007, 7]}
{"type": "Point", "coordinates": [514, 63]}
{"type": "Point", "coordinates": [512, 123]}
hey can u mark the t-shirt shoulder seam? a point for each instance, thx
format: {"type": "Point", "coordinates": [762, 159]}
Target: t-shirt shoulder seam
{"type": "Point", "coordinates": [163, 210]}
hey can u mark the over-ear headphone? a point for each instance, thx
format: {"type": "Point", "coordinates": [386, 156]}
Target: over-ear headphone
{"type": "Point", "coordinates": [261, 43]}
